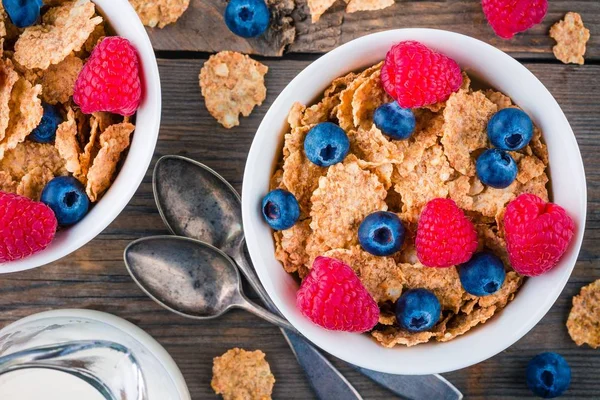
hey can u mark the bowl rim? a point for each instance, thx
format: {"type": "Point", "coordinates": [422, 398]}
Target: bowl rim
{"type": "Point", "coordinates": [116, 198]}
{"type": "Point", "coordinates": [250, 209]}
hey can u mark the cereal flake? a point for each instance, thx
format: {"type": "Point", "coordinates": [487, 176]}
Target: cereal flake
{"type": "Point", "coordinates": [8, 77]}
{"type": "Point", "coordinates": [67, 145]}
{"type": "Point", "coordinates": [232, 83]}
{"type": "Point", "coordinates": [368, 5]}
{"type": "Point", "coordinates": [584, 319]}
{"type": "Point", "coordinates": [242, 375]}
{"type": "Point", "coordinates": [318, 8]}
{"type": "Point", "coordinates": [159, 13]}
{"type": "Point", "coordinates": [462, 323]}
{"type": "Point", "coordinates": [571, 37]}
{"type": "Point", "coordinates": [58, 81]}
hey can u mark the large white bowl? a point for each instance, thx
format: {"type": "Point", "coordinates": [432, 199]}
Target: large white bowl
{"type": "Point", "coordinates": [535, 297]}
{"type": "Point", "coordinates": [125, 23]}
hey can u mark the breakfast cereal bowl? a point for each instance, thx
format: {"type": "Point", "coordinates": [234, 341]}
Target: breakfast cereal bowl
{"type": "Point", "coordinates": [568, 189]}
{"type": "Point", "coordinates": [124, 22]}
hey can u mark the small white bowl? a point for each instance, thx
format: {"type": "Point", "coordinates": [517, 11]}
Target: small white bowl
{"type": "Point", "coordinates": [535, 297]}
{"type": "Point", "coordinates": [125, 23]}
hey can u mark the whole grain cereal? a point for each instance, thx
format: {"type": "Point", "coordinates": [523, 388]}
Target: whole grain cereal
{"type": "Point", "coordinates": [242, 375]}
{"type": "Point", "coordinates": [571, 37]}
{"type": "Point", "coordinates": [583, 323]}
{"type": "Point", "coordinates": [159, 13]}
{"type": "Point", "coordinates": [232, 84]}
{"type": "Point", "coordinates": [368, 5]}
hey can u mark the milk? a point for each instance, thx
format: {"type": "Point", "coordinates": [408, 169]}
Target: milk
{"type": "Point", "coordinates": [46, 384]}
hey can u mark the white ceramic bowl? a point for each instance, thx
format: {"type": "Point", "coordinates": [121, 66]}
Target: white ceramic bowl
{"type": "Point", "coordinates": [535, 297]}
{"type": "Point", "coordinates": [125, 23]}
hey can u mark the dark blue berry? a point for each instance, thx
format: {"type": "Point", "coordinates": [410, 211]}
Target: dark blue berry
{"type": "Point", "coordinates": [510, 129]}
{"type": "Point", "coordinates": [326, 144]}
{"type": "Point", "coordinates": [46, 130]}
{"type": "Point", "coordinates": [381, 233]}
{"type": "Point", "coordinates": [418, 310]}
{"type": "Point", "coordinates": [280, 209]}
{"type": "Point", "coordinates": [548, 375]}
{"type": "Point", "coordinates": [496, 168]}
{"type": "Point", "coordinates": [395, 121]}
{"type": "Point", "coordinates": [66, 196]}
{"type": "Point", "coordinates": [482, 275]}
{"type": "Point", "coordinates": [23, 13]}
{"type": "Point", "coordinates": [247, 18]}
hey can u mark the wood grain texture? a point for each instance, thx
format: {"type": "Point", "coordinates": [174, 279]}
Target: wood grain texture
{"type": "Point", "coordinates": [202, 28]}
{"type": "Point", "coordinates": [94, 277]}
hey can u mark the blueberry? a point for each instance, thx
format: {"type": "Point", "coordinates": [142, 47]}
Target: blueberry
{"type": "Point", "coordinates": [418, 310]}
{"type": "Point", "coordinates": [395, 121]}
{"type": "Point", "coordinates": [46, 130]}
{"type": "Point", "coordinates": [66, 196]}
{"type": "Point", "coordinates": [381, 233]}
{"type": "Point", "coordinates": [326, 144]}
{"type": "Point", "coordinates": [247, 18]}
{"type": "Point", "coordinates": [496, 168]}
{"type": "Point", "coordinates": [510, 129]}
{"type": "Point", "coordinates": [548, 375]}
{"type": "Point", "coordinates": [23, 13]}
{"type": "Point", "coordinates": [280, 209]}
{"type": "Point", "coordinates": [482, 275]}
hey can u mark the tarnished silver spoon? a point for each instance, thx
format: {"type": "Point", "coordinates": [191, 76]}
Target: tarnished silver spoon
{"type": "Point", "coordinates": [196, 202]}
{"type": "Point", "coordinates": [190, 278]}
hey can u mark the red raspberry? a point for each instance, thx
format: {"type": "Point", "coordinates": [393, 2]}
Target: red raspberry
{"type": "Point", "coordinates": [415, 76]}
{"type": "Point", "coordinates": [26, 226]}
{"type": "Point", "coordinates": [333, 297]}
{"type": "Point", "coordinates": [110, 79]}
{"type": "Point", "coordinates": [537, 234]}
{"type": "Point", "coordinates": [445, 236]}
{"type": "Point", "coordinates": [508, 17]}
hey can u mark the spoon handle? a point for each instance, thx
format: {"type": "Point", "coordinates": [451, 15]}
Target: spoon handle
{"type": "Point", "coordinates": [264, 314]}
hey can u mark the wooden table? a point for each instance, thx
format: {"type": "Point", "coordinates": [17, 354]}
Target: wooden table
{"type": "Point", "coordinates": [94, 277]}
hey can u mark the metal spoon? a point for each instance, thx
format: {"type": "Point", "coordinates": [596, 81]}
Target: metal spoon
{"type": "Point", "coordinates": [195, 201]}
{"type": "Point", "coordinates": [190, 278]}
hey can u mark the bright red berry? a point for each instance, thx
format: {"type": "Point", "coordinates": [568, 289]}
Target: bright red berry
{"type": "Point", "coordinates": [110, 79]}
{"type": "Point", "coordinates": [537, 234]}
{"type": "Point", "coordinates": [415, 76]}
{"type": "Point", "coordinates": [508, 17]}
{"type": "Point", "coordinates": [26, 226]}
{"type": "Point", "coordinates": [445, 236]}
{"type": "Point", "coordinates": [333, 297]}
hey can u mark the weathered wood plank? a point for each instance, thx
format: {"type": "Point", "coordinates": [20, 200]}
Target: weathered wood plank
{"type": "Point", "coordinates": [94, 277]}
{"type": "Point", "coordinates": [202, 28]}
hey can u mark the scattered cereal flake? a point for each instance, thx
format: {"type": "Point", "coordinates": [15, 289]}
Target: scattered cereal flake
{"type": "Point", "coordinates": [8, 78]}
{"type": "Point", "coordinates": [159, 13]}
{"type": "Point", "coordinates": [392, 336]}
{"type": "Point", "coordinates": [25, 114]}
{"type": "Point", "coordinates": [491, 201]}
{"type": "Point", "coordinates": [29, 155]}
{"type": "Point", "coordinates": [367, 97]}
{"type": "Point", "coordinates": [344, 197]}
{"type": "Point", "coordinates": [242, 375]}
{"type": "Point", "coordinates": [536, 186]}
{"type": "Point", "coordinates": [64, 29]}
{"type": "Point", "coordinates": [232, 83]}
{"type": "Point", "coordinates": [33, 182]}
{"type": "Point", "coordinates": [530, 167]}
{"type": "Point", "coordinates": [105, 119]}
{"type": "Point", "coordinates": [344, 112]}
{"type": "Point", "coordinates": [277, 180]}
{"type": "Point", "coordinates": [571, 37]}
{"type": "Point", "coordinates": [97, 34]}
{"type": "Point", "coordinates": [294, 140]}
{"type": "Point", "coordinates": [374, 150]}
{"type": "Point", "coordinates": [584, 319]}
{"type": "Point", "coordinates": [462, 323]}
{"type": "Point", "coordinates": [339, 84]}
{"type": "Point", "coordinates": [291, 249]}
{"type": "Point", "coordinates": [318, 8]}
{"type": "Point", "coordinates": [368, 5]}
{"type": "Point", "coordinates": [426, 182]}
{"type": "Point", "coordinates": [67, 145]}
{"type": "Point", "coordinates": [538, 146]}
{"type": "Point", "coordinates": [466, 116]}
{"type": "Point", "coordinates": [425, 136]}
{"type": "Point", "coordinates": [295, 115]}
{"type": "Point", "coordinates": [499, 99]}
{"type": "Point", "coordinates": [380, 275]}
{"type": "Point", "coordinates": [113, 142]}
{"type": "Point", "coordinates": [469, 303]}
{"type": "Point", "coordinates": [301, 178]}
{"type": "Point", "coordinates": [443, 282]}
{"type": "Point", "coordinates": [500, 299]}
{"type": "Point", "coordinates": [58, 81]}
